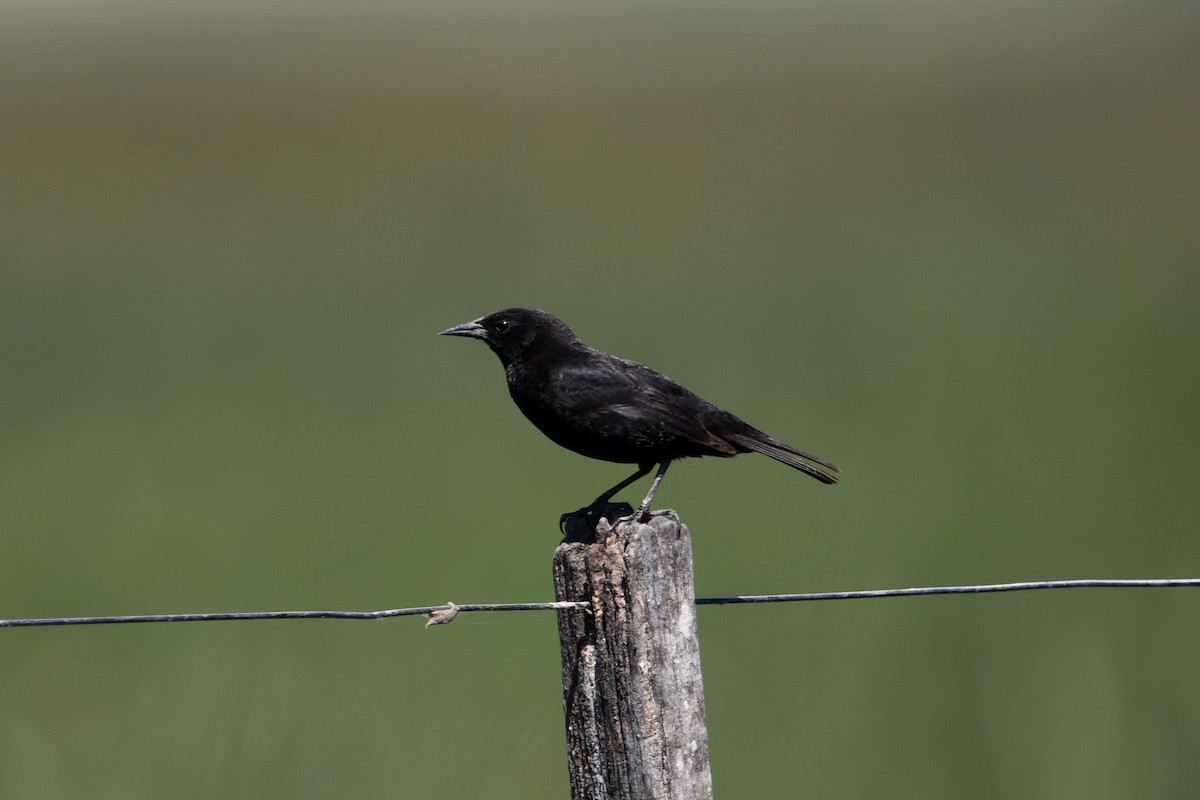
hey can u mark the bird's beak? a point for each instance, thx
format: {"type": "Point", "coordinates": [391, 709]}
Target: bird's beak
{"type": "Point", "coordinates": [472, 330]}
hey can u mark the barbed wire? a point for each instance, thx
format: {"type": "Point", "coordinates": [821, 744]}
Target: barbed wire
{"type": "Point", "coordinates": [447, 612]}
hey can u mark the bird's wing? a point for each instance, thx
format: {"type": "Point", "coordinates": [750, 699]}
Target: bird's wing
{"type": "Point", "coordinates": [640, 400]}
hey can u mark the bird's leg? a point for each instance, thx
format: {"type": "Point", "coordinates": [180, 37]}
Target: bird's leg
{"type": "Point", "coordinates": [658, 476]}
{"type": "Point", "coordinates": [643, 512]}
{"type": "Point", "coordinates": [602, 506]}
{"type": "Point", "coordinates": [643, 470]}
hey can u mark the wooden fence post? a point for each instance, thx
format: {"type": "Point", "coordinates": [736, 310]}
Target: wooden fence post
{"type": "Point", "coordinates": [632, 692]}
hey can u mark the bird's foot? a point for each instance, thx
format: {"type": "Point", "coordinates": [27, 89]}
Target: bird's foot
{"type": "Point", "coordinates": [643, 516]}
{"type": "Point", "coordinates": [639, 516]}
{"type": "Point", "coordinates": [580, 525]}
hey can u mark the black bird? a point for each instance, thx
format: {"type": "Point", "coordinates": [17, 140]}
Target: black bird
{"type": "Point", "coordinates": [606, 407]}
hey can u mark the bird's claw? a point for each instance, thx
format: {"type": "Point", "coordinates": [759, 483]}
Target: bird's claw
{"type": "Point", "coordinates": [642, 517]}
{"type": "Point", "coordinates": [639, 516]}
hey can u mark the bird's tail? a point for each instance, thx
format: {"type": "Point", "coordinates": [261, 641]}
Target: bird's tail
{"type": "Point", "coordinates": [784, 452]}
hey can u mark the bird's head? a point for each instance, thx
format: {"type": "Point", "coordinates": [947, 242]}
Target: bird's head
{"type": "Point", "coordinates": [518, 333]}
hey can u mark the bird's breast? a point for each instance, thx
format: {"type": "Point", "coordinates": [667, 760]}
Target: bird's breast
{"type": "Point", "coordinates": [588, 425]}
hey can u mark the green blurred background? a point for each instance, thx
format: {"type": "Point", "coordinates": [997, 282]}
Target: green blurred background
{"type": "Point", "coordinates": [953, 247]}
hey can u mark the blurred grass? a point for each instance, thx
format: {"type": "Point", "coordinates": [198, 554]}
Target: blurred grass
{"type": "Point", "coordinates": [951, 247]}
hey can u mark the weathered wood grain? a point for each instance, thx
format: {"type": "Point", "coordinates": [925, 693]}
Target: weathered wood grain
{"type": "Point", "coordinates": [632, 689]}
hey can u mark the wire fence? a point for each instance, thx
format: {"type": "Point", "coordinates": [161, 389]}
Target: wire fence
{"type": "Point", "coordinates": [445, 613]}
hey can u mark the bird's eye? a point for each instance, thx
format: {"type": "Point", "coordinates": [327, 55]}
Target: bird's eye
{"type": "Point", "coordinates": [502, 325]}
